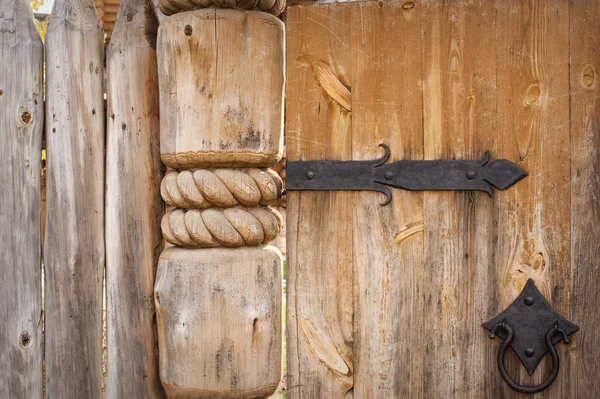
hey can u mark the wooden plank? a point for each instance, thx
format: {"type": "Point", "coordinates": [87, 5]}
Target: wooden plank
{"type": "Point", "coordinates": [319, 256]}
{"type": "Point", "coordinates": [585, 196]}
{"type": "Point", "coordinates": [74, 248]}
{"type": "Point", "coordinates": [533, 217]}
{"type": "Point", "coordinates": [21, 129]}
{"type": "Point", "coordinates": [133, 203]}
{"type": "Point", "coordinates": [388, 241]}
{"type": "Point", "coordinates": [459, 110]}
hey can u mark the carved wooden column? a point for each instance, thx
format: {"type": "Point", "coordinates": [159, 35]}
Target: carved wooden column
{"type": "Point", "coordinates": [218, 288]}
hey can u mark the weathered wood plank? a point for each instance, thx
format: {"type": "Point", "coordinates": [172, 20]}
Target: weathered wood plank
{"type": "Point", "coordinates": [387, 241]}
{"type": "Point", "coordinates": [74, 247]}
{"type": "Point", "coordinates": [533, 218]}
{"type": "Point", "coordinates": [585, 196]}
{"type": "Point", "coordinates": [459, 110]}
{"type": "Point", "coordinates": [319, 255]}
{"type": "Point", "coordinates": [133, 203]}
{"type": "Point", "coordinates": [21, 130]}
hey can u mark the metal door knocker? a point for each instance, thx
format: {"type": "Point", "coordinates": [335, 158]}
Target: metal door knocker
{"type": "Point", "coordinates": [531, 328]}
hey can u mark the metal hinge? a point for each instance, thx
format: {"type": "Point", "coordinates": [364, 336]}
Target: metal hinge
{"type": "Point", "coordinates": [376, 175]}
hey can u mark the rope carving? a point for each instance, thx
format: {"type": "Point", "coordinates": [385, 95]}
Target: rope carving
{"type": "Point", "coordinates": [224, 188]}
{"type": "Point", "coordinates": [170, 7]}
{"type": "Point", "coordinates": [230, 227]}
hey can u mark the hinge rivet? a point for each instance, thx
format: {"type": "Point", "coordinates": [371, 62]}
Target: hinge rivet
{"type": "Point", "coordinates": [529, 300]}
{"type": "Point", "coordinates": [529, 352]}
{"type": "Point", "coordinates": [310, 175]}
{"type": "Point", "coordinates": [470, 175]}
{"type": "Point", "coordinates": [388, 175]}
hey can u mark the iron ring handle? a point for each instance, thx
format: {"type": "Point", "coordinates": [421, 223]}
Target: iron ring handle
{"type": "Point", "coordinates": [506, 343]}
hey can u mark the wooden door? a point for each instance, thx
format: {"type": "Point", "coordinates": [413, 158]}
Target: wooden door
{"type": "Point", "coordinates": [388, 301]}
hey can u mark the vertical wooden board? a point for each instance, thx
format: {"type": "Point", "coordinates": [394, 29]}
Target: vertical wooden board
{"type": "Point", "coordinates": [21, 129]}
{"type": "Point", "coordinates": [459, 113]}
{"type": "Point", "coordinates": [319, 255]}
{"type": "Point", "coordinates": [74, 247]}
{"type": "Point", "coordinates": [387, 241]}
{"type": "Point", "coordinates": [533, 217]}
{"type": "Point", "coordinates": [133, 203]}
{"type": "Point", "coordinates": [585, 196]}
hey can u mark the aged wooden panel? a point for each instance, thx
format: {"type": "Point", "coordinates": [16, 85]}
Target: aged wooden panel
{"type": "Point", "coordinates": [387, 241]}
{"type": "Point", "coordinates": [319, 280]}
{"type": "Point", "coordinates": [533, 218]}
{"type": "Point", "coordinates": [133, 203]}
{"type": "Point", "coordinates": [430, 268]}
{"type": "Point", "coordinates": [584, 39]}
{"type": "Point", "coordinates": [460, 285]}
{"type": "Point", "coordinates": [224, 88]}
{"type": "Point", "coordinates": [21, 129]}
{"type": "Point", "coordinates": [219, 321]}
{"type": "Point", "coordinates": [74, 247]}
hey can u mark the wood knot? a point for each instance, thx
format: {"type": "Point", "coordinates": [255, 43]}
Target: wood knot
{"type": "Point", "coordinates": [532, 94]}
{"type": "Point", "coordinates": [25, 340]}
{"type": "Point", "coordinates": [188, 30]}
{"type": "Point", "coordinates": [409, 5]}
{"type": "Point", "coordinates": [26, 117]}
{"type": "Point", "coordinates": [1, 92]}
{"type": "Point", "coordinates": [588, 77]}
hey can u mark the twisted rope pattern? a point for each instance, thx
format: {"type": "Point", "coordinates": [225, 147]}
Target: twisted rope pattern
{"type": "Point", "coordinates": [170, 7]}
{"type": "Point", "coordinates": [231, 227]}
{"type": "Point", "coordinates": [223, 188]}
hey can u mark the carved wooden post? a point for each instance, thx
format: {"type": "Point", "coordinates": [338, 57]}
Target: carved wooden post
{"type": "Point", "coordinates": [219, 307]}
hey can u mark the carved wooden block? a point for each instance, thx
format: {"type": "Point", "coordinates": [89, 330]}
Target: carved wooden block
{"type": "Point", "coordinates": [219, 321]}
{"type": "Point", "coordinates": [221, 89]}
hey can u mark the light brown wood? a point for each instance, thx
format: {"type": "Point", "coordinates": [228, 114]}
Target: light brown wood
{"type": "Point", "coordinates": [431, 267]}
{"type": "Point", "coordinates": [21, 129]}
{"type": "Point", "coordinates": [219, 321]}
{"type": "Point", "coordinates": [74, 248]}
{"type": "Point", "coordinates": [221, 82]}
{"type": "Point", "coordinates": [133, 204]}
{"type": "Point", "coordinates": [319, 237]}
{"type": "Point", "coordinates": [460, 282]}
{"type": "Point", "coordinates": [584, 39]}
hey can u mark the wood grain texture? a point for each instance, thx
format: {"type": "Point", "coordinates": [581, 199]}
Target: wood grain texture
{"type": "Point", "coordinates": [319, 255]}
{"type": "Point", "coordinates": [584, 40]}
{"type": "Point", "coordinates": [430, 268]}
{"type": "Point", "coordinates": [21, 130]}
{"type": "Point", "coordinates": [74, 246]}
{"type": "Point", "coordinates": [533, 219]}
{"type": "Point", "coordinates": [460, 279]}
{"type": "Point", "coordinates": [133, 204]}
{"type": "Point", "coordinates": [219, 322]}
{"type": "Point", "coordinates": [387, 107]}
{"type": "Point", "coordinates": [221, 84]}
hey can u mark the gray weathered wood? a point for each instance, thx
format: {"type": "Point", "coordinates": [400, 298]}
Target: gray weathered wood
{"type": "Point", "coordinates": [133, 203]}
{"type": "Point", "coordinates": [21, 124]}
{"type": "Point", "coordinates": [74, 246]}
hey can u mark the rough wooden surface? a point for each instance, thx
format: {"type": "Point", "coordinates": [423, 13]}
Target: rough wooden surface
{"type": "Point", "coordinates": [219, 322]}
{"type": "Point", "coordinates": [430, 268]}
{"type": "Point", "coordinates": [133, 204]}
{"type": "Point", "coordinates": [584, 367]}
{"type": "Point", "coordinates": [221, 84]}
{"type": "Point", "coordinates": [319, 237]}
{"type": "Point", "coordinates": [74, 248]}
{"type": "Point", "coordinates": [21, 129]}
